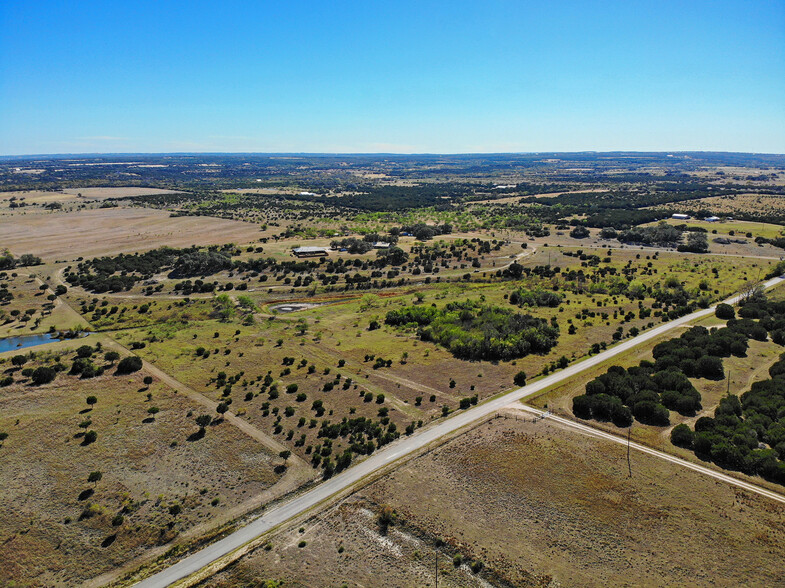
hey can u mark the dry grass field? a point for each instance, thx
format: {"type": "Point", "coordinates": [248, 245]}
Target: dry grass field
{"type": "Point", "coordinates": [539, 505]}
{"type": "Point", "coordinates": [109, 231]}
{"type": "Point", "coordinates": [75, 195]}
{"type": "Point", "coordinates": [736, 204]}
{"type": "Point", "coordinates": [158, 483]}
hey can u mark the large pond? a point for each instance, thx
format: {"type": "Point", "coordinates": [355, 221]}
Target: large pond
{"type": "Point", "coordinates": [22, 341]}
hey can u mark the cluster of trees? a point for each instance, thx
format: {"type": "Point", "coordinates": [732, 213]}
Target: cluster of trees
{"type": "Point", "coordinates": [698, 352]}
{"type": "Point", "coordinates": [697, 242]}
{"type": "Point", "coordinates": [394, 256]}
{"type": "Point", "coordinates": [579, 232]}
{"type": "Point", "coordinates": [649, 391]}
{"type": "Point", "coordinates": [470, 330]}
{"type": "Point", "coordinates": [776, 241]}
{"type": "Point", "coordinates": [516, 271]}
{"type": "Point", "coordinates": [200, 263]}
{"type": "Point", "coordinates": [746, 435]}
{"type": "Point", "coordinates": [357, 246]}
{"type": "Point", "coordinates": [8, 261]}
{"type": "Point", "coordinates": [380, 198]}
{"type": "Point", "coordinates": [623, 208]}
{"type": "Point", "coordinates": [770, 316]}
{"type": "Point", "coordinates": [641, 392]}
{"type": "Point", "coordinates": [121, 272]}
{"type": "Point", "coordinates": [423, 232]}
{"type": "Point", "coordinates": [186, 287]}
{"type": "Point", "coordinates": [82, 366]}
{"type": "Point", "coordinates": [661, 234]}
{"type": "Point", "coordinates": [536, 297]}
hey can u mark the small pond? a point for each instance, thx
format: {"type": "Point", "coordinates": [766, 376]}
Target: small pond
{"type": "Point", "coordinates": [23, 341]}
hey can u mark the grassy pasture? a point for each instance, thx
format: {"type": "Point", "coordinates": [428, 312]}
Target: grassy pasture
{"type": "Point", "coordinates": [742, 203]}
{"type": "Point", "coordinates": [324, 335]}
{"type": "Point", "coordinates": [338, 329]}
{"type": "Point", "coordinates": [740, 228]}
{"type": "Point", "coordinates": [155, 485]}
{"type": "Point", "coordinates": [28, 297]}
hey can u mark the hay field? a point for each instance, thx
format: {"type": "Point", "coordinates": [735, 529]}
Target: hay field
{"type": "Point", "coordinates": [107, 231]}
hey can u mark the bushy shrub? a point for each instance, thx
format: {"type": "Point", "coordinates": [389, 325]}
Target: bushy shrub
{"type": "Point", "coordinates": [129, 365]}
{"type": "Point", "coordinates": [43, 375]}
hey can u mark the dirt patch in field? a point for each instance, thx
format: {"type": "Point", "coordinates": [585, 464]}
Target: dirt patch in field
{"type": "Point", "coordinates": [538, 504]}
{"type": "Point", "coordinates": [110, 231]}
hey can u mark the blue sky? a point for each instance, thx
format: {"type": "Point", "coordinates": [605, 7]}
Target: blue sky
{"type": "Point", "coordinates": [411, 77]}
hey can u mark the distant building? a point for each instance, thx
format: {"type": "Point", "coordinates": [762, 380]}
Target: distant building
{"type": "Point", "coordinates": [310, 251]}
{"type": "Point", "coordinates": [680, 216]}
{"type": "Point", "coordinates": [381, 245]}
{"type": "Point", "coordinates": [712, 219]}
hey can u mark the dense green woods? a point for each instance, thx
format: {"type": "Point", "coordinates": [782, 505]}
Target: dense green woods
{"type": "Point", "coordinates": [745, 434]}
{"type": "Point", "coordinates": [470, 330]}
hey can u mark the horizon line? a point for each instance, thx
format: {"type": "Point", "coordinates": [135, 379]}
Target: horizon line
{"type": "Point", "coordinates": [375, 153]}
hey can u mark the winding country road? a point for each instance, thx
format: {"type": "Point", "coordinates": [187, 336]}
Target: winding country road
{"type": "Point", "coordinates": [406, 446]}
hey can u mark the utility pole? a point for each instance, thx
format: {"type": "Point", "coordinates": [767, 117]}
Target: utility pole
{"type": "Point", "coordinates": [629, 464]}
{"type": "Point", "coordinates": [728, 383]}
{"type": "Point", "coordinates": [436, 561]}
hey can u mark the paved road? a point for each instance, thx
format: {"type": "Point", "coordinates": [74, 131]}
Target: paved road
{"type": "Point", "coordinates": [395, 451]}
